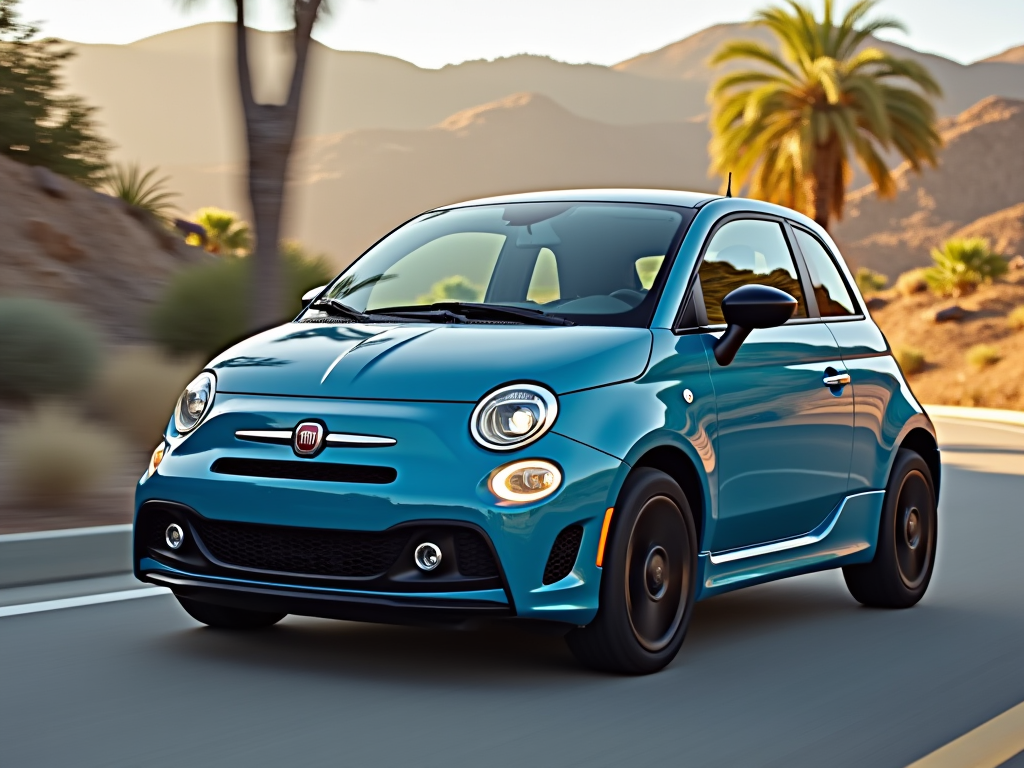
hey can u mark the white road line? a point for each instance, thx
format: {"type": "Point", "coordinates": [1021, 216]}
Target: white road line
{"type": "Point", "coordinates": [989, 745]}
{"type": "Point", "coordinates": [76, 602]}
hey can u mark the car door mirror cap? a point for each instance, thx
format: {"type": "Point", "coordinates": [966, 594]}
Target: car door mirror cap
{"type": "Point", "coordinates": [747, 308]}
{"type": "Point", "coordinates": [311, 294]}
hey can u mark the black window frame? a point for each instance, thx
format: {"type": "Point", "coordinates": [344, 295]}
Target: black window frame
{"type": "Point", "coordinates": [860, 312]}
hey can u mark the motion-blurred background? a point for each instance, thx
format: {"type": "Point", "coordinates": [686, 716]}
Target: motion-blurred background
{"type": "Point", "coordinates": [130, 250]}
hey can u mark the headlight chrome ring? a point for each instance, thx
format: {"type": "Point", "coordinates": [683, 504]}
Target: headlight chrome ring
{"type": "Point", "coordinates": [195, 402]}
{"type": "Point", "coordinates": [513, 416]}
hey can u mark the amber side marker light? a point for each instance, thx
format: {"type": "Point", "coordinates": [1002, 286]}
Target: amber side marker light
{"type": "Point", "coordinates": [604, 536]}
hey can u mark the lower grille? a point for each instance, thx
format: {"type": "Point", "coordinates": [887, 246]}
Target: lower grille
{"type": "Point", "coordinates": [297, 550]}
{"type": "Point", "coordinates": [305, 470]}
{"type": "Point", "coordinates": [563, 554]}
{"type": "Point", "coordinates": [473, 556]}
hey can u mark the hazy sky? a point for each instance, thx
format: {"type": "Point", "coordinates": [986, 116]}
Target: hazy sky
{"type": "Point", "coordinates": [432, 33]}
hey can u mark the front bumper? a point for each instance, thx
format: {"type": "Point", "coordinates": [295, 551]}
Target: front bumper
{"type": "Point", "coordinates": [441, 486]}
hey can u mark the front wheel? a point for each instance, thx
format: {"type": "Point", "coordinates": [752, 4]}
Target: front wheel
{"type": "Point", "coordinates": [649, 580]}
{"type": "Point", "coordinates": [898, 575]}
{"type": "Point", "coordinates": [225, 617]}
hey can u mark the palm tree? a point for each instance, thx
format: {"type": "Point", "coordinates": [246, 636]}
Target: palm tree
{"type": "Point", "coordinates": [789, 125]}
{"type": "Point", "coordinates": [226, 233]}
{"type": "Point", "coordinates": [270, 136]}
{"type": "Point", "coordinates": [140, 190]}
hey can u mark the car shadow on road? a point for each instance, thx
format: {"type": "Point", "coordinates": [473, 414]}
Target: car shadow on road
{"type": "Point", "coordinates": [496, 653]}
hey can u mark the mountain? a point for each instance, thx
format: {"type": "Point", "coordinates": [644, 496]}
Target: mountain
{"type": "Point", "coordinates": [977, 189]}
{"type": "Point", "coordinates": [1013, 55]}
{"type": "Point", "coordinates": [353, 187]}
{"type": "Point", "coordinates": [962, 85]}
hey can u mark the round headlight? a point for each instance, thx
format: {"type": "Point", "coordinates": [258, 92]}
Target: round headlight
{"type": "Point", "coordinates": [194, 402]}
{"type": "Point", "coordinates": [513, 416]}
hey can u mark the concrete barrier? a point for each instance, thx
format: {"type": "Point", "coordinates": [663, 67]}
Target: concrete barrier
{"type": "Point", "coordinates": [76, 553]}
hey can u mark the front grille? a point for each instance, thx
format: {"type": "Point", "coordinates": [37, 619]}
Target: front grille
{"type": "Point", "coordinates": [305, 470]}
{"type": "Point", "coordinates": [315, 552]}
{"type": "Point", "coordinates": [563, 554]}
{"type": "Point", "coordinates": [473, 555]}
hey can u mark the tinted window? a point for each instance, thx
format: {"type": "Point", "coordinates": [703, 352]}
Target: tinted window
{"type": "Point", "coordinates": [746, 252]}
{"type": "Point", "coordinates": [830, 290]}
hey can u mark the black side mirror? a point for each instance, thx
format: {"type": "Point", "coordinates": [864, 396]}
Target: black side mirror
{"type": "Point", "coordinates": [311, 294]}
{"type": "Point", "coordinates": [747, 308]}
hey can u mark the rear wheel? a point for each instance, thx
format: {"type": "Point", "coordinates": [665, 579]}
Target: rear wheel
{"type": "Point", "coordinates": [649, 580]}
{"type": "Point", "coordinates": [899, 574]}
{"type": "Point", "coordinates": [224, 617]}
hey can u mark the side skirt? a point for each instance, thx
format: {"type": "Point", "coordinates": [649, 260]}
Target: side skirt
{"type": "Point", "coordinates": [847, 536]}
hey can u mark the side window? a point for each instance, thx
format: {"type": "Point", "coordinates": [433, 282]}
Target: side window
{"type": "Point", "coordinates": [830, 290]}
{"type": "Point", "coordinates": [743, 252]}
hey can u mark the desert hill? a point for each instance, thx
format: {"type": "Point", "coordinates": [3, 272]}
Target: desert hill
{"type": "Point", "coordinates": [352, 187]}
{"type": "Point", "coordinates": [65, 242]}
{"type": "Point", "coordinates": [1013, 55]}
{"type": "Point", "coordinates": [977, 189]}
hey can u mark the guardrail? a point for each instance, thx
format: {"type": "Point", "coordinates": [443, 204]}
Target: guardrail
{"type": "Point", "coordinates": [76, 553]}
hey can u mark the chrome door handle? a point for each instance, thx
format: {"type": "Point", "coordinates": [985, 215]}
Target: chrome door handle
{"type": "Point", "coordinates": [839, 380]}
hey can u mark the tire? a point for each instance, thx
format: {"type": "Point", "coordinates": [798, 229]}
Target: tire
{"type": "Point", "coordinates": [899, 574]}
{"type": "Point", "coordinates": [224, 617]}
{"type": "Point", "coordinates": [649, 580]}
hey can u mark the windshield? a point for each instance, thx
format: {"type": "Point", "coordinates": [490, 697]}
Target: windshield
{"type": "Point", "coordinates": [589, 263]}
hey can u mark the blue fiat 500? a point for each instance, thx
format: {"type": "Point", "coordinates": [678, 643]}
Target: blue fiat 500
{"type": "Point", "coordinates": [588, 408]}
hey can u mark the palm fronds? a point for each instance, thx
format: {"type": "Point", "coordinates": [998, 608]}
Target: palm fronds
{"type": "Point", "coordinates": [140, 189]}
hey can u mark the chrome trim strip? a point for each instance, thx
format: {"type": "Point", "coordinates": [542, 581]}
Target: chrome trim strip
{"type": "Point", "coordinates": [340, 439]}
{"type": "Point", "coordinates": [284, 435]}
{"type": "Point", "coordinates": [813, 537]}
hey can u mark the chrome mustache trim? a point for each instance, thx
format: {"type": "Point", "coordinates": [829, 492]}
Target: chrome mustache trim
{"type": "Point", "coordinates": [333, 439]}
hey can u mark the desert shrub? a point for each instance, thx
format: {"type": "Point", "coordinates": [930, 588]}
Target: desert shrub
{"type": "Point", "coordinates": [53, 456]}
{"type": "Point", "coordinates": [870, 281]}
{"type": "Point", "coordinates": [961, 265]}
{"type": "Point", "coordinates": [983, 355]}
{"type": "Point", "coordinates": [205, 308]}
{"type": "Point", "coordinates": [45, 350]}
{"type": "Point", "coordinates": [137, 389]}
{"type": "Point", "coordinates": [911, 282]}
{"type": "Point", "coordinates": [1016, 319]}
{"type": "Point", "coordinates": [911, 360]}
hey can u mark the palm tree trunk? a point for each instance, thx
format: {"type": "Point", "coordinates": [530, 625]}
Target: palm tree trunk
{"type": "Point", "coordinates": [270, 135]}
{"type": "Point", "coordinates": [823, 183]}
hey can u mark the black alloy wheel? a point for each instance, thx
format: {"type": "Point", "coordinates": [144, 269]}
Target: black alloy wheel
{"type": "Point", "coordinates": [649, 580]}
{"type": "Point", "coordinates": [226, 617]}
{"type": "Point", "coordinates": [899, 574]}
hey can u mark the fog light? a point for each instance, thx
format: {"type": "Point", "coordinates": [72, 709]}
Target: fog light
{"type": "Point", "coordinates": [174, 536]}
{"type": "Point", "coordinates": [526, 480]}
{"type": "Point", "coordinates": [427, 556]}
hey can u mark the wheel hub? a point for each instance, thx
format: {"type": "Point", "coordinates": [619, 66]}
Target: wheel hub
{"type": "Point", "coordinates": [656, 573]}
{"type": "Point", "coordinates": [912, 527]}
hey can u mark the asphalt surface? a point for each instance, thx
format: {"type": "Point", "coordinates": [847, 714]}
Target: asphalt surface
{"type": "Point", "coordinates": [793, 673]}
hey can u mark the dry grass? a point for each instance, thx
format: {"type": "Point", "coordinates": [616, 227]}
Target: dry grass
{"type": "Point", "coordinates": [137, 391]}
{"type": "Point", "coordinates": [53, 456]}
{"type": "Point", "coordinates": [983, 355]}
{"type": "Point", "coordinates": [1015, 320]}
{"type": "Point", "coordinates": [911, 359]}
{"type": "Point", "coordinates": [912, 282]}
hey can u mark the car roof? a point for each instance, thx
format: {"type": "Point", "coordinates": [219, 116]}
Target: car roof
{"type": "Point", "coordinates": [650, 196]}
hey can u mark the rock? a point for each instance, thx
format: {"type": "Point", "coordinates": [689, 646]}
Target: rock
{"type": "Point", "coordinates": [875, 302]}
{"type": "Point", "coordinates": [949, 314]}
{"type": "Point", "coordinates": [56, 244]}
{"type": "Point", "coordinates": [49, 182]}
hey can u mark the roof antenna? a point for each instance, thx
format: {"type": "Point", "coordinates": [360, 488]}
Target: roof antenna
{"type": "Point", "coordinates": [728, 190]}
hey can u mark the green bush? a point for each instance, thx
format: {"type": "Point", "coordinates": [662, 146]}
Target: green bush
{"type": "Point", "coordinates": [45, 350]}
{"type": "Point", "coordinates": [911, 360]}
{"type": "Point", "coordinates": [962, 264]}
{"type": "Point", "coordinates": [870, 281]}
{"type": "Point", "coordinates": [205, 308]}
{"type": "Point", "coordinates": [983, 355]}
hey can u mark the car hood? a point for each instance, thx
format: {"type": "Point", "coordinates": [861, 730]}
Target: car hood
{"type": "Point", "coordinates": [428, 362]}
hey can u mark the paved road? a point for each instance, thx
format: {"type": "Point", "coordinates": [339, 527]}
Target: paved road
{"type": "Point", "coordinates": [788, 674]}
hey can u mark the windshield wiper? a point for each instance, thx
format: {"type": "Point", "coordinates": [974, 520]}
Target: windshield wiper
{"type": "Point", "coordinates": [428, 314]}
{"type": "Point", "coordinates": [470, 311]}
